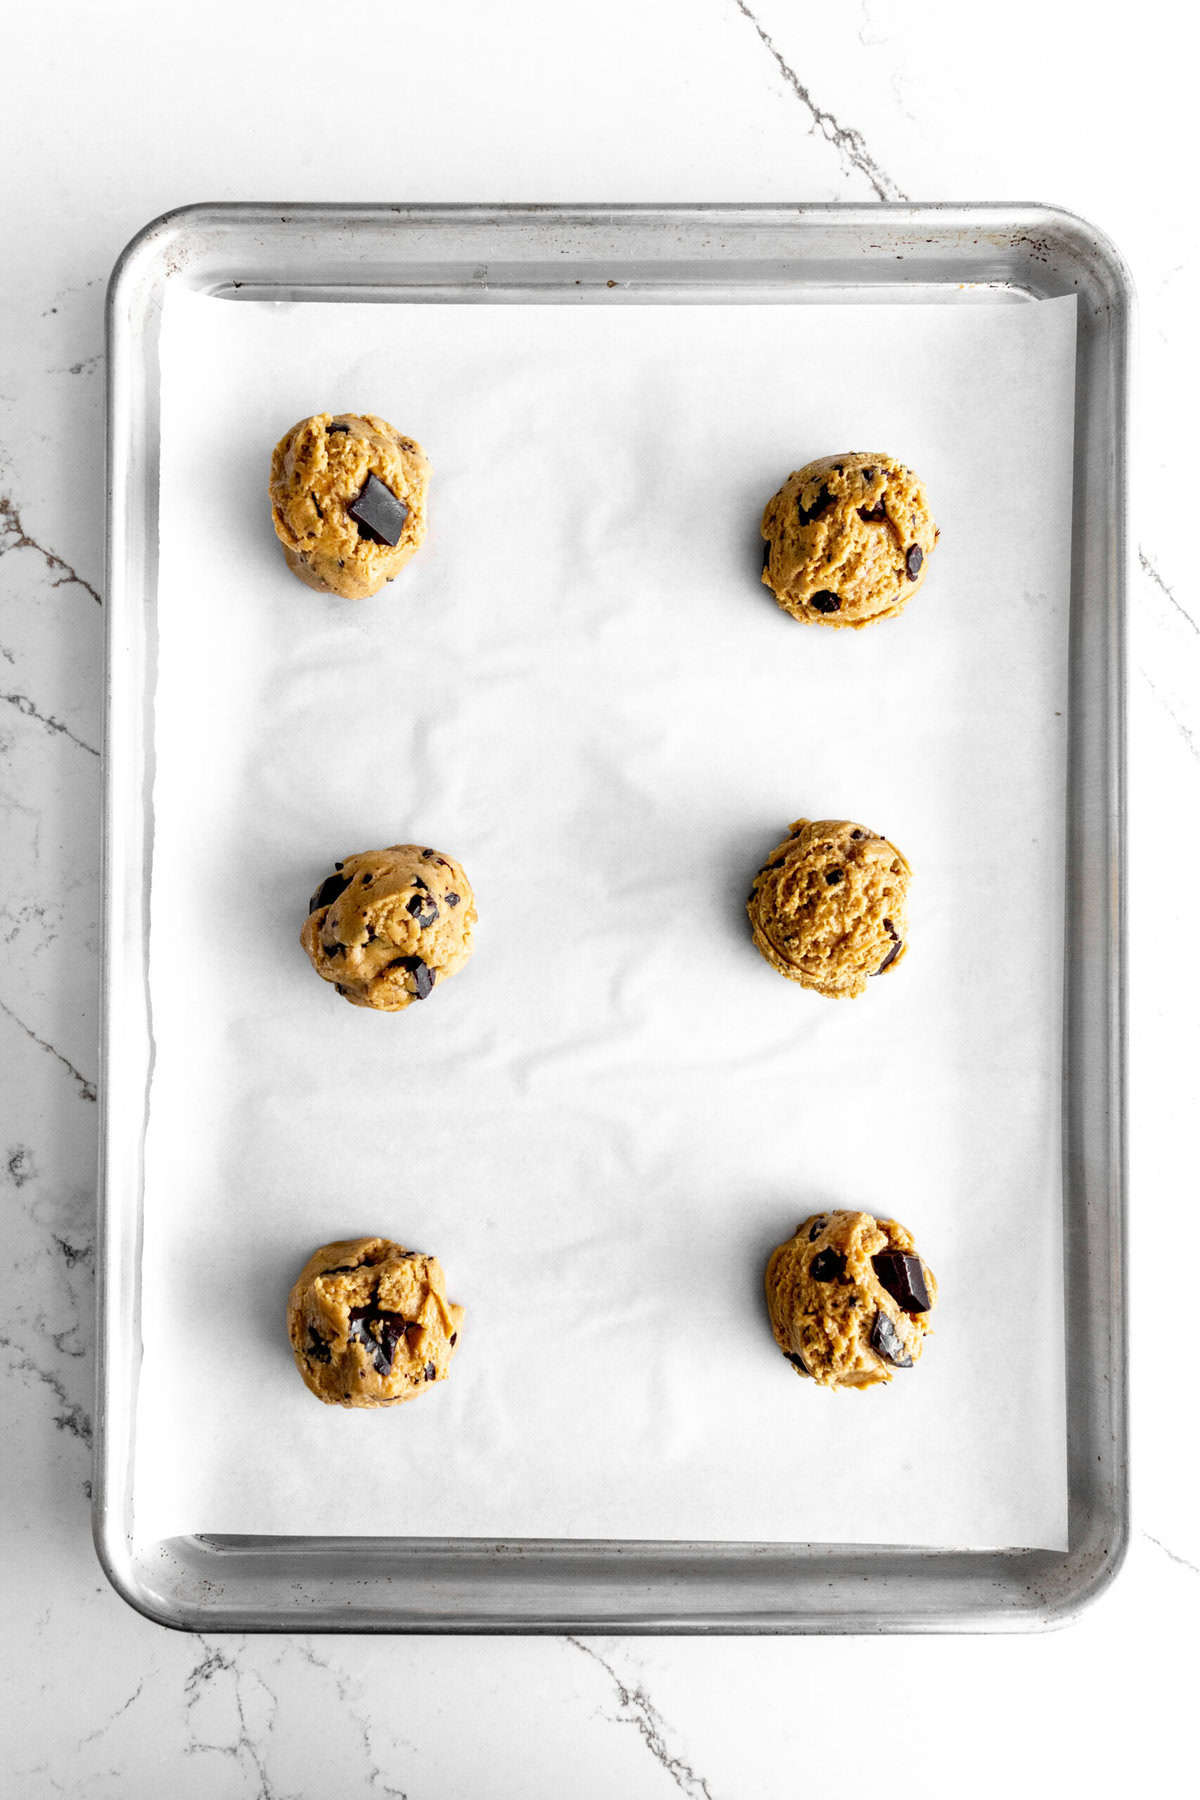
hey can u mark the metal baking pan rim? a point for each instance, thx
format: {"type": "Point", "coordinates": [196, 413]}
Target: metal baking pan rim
{"type": "Point", "coordinates": [1030, 250]}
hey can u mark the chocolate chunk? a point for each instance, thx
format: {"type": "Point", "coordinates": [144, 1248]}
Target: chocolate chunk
{"type": "Point", "coordinates": [797, 1361]}
{"type": "Point", "coordinates": [316, 506]}
{"type": "Point", "coordinates": [379, 1332]}
{"type": "Point", "coordinates": [370, 934]}
{"type": "Point", "coordinates": [904, 1279]}
{"type": "Point", "coordinates": [818, 1226]}
{"type": "Point", "coordinates": [766, 553]}
{"type": "Point", "coordinates": [887, 1341]}
{"type": "Point", "coordinates": [330, 429]}
{"type": "Point", "coordinates": [339, 867]}
{"type": "Point", "coordinates": [453, 1339]}
{"type": "Point", "coordinates": [368, 878]}
{"type": "Point", "coordinates": [874, 515]}
{"type": "Point", "coordinates": [825, 601]}
{"type": "Point", "coordinates": [895, 950]}
{"type": "Point", "coordinates": [827, 1265]}
{"type": "Point", "coordinates": [317, 1349]}
{"type": "Point", "coordinates": [334, 949]}
{"type": "Point", "coordinates": [378, 513]}
{"type": "Point", "coordinates": [431, 1371]}
{"type": "Point", "coordinates": [856, 833]}
{"type": "Point", "coordinates": [807, 514]}
{"type": "Point", "coordinates": [424, 910]}
{"type": "Point", "coordinates": [868, 476]}
{"type": "Point", "coordinates": [452, 899]}
{"type": "Point", "coordinates": [422, 974]}
{"type": "Point", "coordinates": [343, 991]}
{"type": "Point", "coordinates": [833, 876]}
{"type": "Point", "coordinates": [327, 893]}
{"type": "Point", "coordinates": [417, 882]}
{"type": "Point", "coordinates": [913, 560]}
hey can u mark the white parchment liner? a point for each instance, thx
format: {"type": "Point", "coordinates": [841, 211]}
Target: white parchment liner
{"type": "Point", "coordinates": [580, 689]}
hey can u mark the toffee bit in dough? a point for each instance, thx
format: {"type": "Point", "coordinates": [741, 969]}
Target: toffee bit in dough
{"type": "Point", "coordinates": [852, 1331]}
{"type": "Point", "coordinates": [382, 1319]}
{"type": "Point", "coordinates": [827, 560]}
{"type": "Point", "coordinates": [379, 932]}
{"type": "Point", "coordinates": [348, 501]}
{"type": "Point", "coordinates": [829, 907]}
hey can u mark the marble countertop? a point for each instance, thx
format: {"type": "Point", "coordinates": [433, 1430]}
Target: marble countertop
{"type": "Point", "coordinates": [115, 114]}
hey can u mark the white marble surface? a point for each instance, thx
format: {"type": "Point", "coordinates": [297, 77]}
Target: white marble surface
{"type": "Point", "coordinates": [114, 114]}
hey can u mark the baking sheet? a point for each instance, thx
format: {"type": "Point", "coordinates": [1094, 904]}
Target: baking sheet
{"type": "Point", "coordinates": [603, 1124]}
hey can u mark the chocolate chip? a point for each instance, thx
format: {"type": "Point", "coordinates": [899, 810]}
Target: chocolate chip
{"type": "Point", "coordinates": [833, 876]}
{"type": "Point", "coordinates": [827, 1265]}
{"type": "Point", "coordinates": [452, 899]}
{"type": "Point", "coordinates": [797, 1361]}
{"type": "Point", "coordinates": [856, 833]}
{"type": "Point", "coordinates": [825, 601]}
{"type": "Point", "coordinates": [818, 1226]}
{"type": "Point", "coordinates": [368, 878]}
{"type": "Point", "coordinates": [808, 513]}
{"type": "Point", "coordinates": [431, 1371]}
{"type": "Point", "coordinates": [317, 1349]}
{"type": "Point", "coordinates": [343, 991]}
{"type": "Point", "coordinates": [422, 974]}
{"type": "Point", "coordinates": [427, 852]}
{"type": "Point", "coordinates": [868, 475]}
{"type": "Point", "coordinates": [417, 882]}
{"type": "Point", "coordinates": [416, 905]}
{"type": "Point", "coordinates": [913, 560]}
{"type": "Point", "coordinates": [453, 1339]}
{"type": "Point", "coordinates": [339, 867]}
{"type": "Point", "coordinates": [874, 515]}
{"type": "Point", "coordinates": [330, 429]}
{"type": "Point", "coordinates": [316, 506]}
{"type": "Point", "coordinates": [895, 950]}
{"type": "Point", "coordinates": [904, 1279]}
{"type": "Point", "coordinates": [327, 893]}
{"type": "Point", "coordinates": [888, 1342]}
{"type": "Point", "coordinates": [370, 934]}
{"type": "Point", "coordinates": [334, 949]}
{"type": "Point", "coordinates": [379, 1332]}
{"type": "Point", "coordinates": [766, 553]}
{"type": "Point", "coordinates": [378, 513]}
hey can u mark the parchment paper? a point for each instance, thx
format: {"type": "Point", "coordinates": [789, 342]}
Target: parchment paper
{"type": "Point", "coordinates": [601, 1127]}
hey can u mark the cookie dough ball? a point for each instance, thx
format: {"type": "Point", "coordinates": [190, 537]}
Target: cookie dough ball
{"type": "Point", "coordinates": [829, 908]}
{"type": "Point", "coordinates": [848, 539]}
{"type": "Point", "coordinates": [849, 1299]}
{"type": "Point", "coordinates": [348, 497]}
{"type": "Point", "coordinates": [388, 924]}
{"type": "Point", "coordinates": [370, 1324]}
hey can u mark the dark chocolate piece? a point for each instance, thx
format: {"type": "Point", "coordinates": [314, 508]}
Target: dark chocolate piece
{"type": "Point", "coordinates": [873, 515]}
{"type": "Point", "coordinates": [453, 1339]}
{"type": "Point", "coordinates": [452, 899]}
{"type": "Point", "coordinates": [431, 1371]}
{"type": "Point", "coordinates": [913, 559]}
{"type": "Point", "coordinates": [856, 833]}
{"type": "Point", "coordinates": [895, 950]}
{"type": "Point", "coordinates": [317, 1349]}
{"type": "Point", "coordinates": [807, 514]}
{"type": "Point", "coordinates": [417, 882]}
{"type": "Point", "coordinates": [832, 877]}
{"type": "Point", "coordinates": [418, 904]}
{"type": "Point", "coordinates": [868, 475]}
{"type": "Point", "coordinates": [887, 1341]}
{"type": "Point", "coordinates": [368, 878]}
{"type": "Point", "coordinates": [327, 893]}
{"type": "Point", "coordinates": [766, 553]}
{"type": "Point", "coordinates": [343, 991]}
{"type": "Point", "coordinates": [422, 974]}
{"type": "Point", "coordinates": [330, 429]}
{"type": "Point", "coordinates": [904, 1278]}
{"type": "Point", "coordinates": [818, 1226]}
{"type": "Point", "coordinates": [379, 1332]}
{"type": "Point", "coordinates": [378, 513]}
{"type": "Point", "coordinates": [827, 1265]}
{"type": "Point", "coordinates": [825, 601]}
{"type": "Point", "coordinates": [797, 1361]}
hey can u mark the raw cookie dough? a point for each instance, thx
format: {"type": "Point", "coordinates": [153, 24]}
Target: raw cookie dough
{"type": "Point", "coordinates": [370, 1324]}
{"type": "Point", "coordinates": [848, 539]}
{"type": "Point", "coordinates": [849, 1299]}
{"type": "Point", "coordinates": [348, 498]}
{"type": "Point", "coordinates": [829, 908]}
{"type": "Point", "coordinates": [388, 924]}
